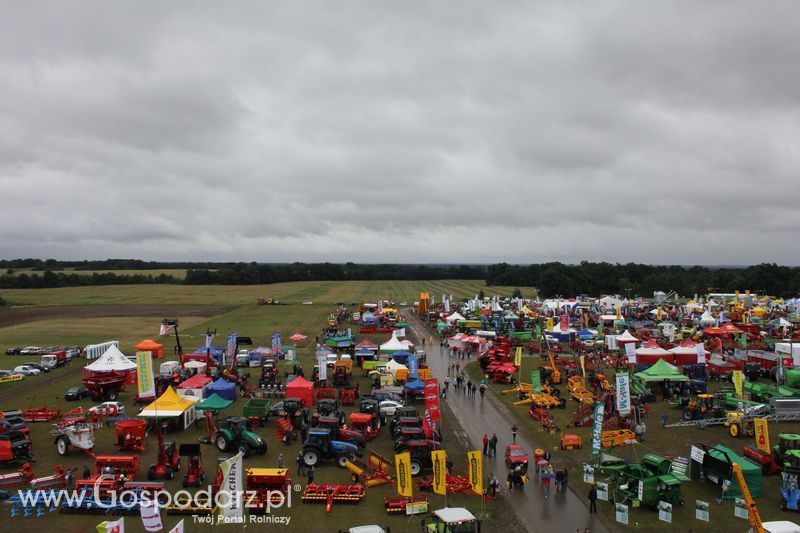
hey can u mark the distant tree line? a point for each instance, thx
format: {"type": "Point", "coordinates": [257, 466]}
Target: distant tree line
{"type": "Point", "coordinates": [103, 264]}
{"type": "Point", "coordinates": [630, 279]}
{"type": "Point", "coordinates": [49, 279]}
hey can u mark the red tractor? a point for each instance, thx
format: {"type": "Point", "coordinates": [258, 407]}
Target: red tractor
{"type": "Point", "coordinates": [194, 476]}
{"type": "Point", "coordinates": [168, 460]}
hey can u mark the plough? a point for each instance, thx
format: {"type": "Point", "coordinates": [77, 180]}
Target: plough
{"type": "Point", "coordinates": [326, 392]}
{"type": "Point", "coordinates": [42, 414]}
{"type": "Point", "coordinates": [376, 470]}
{"type": "Point", "coordinates": [55, 481]}
{"type": "Point", "coordinates": [455, 484]}
{"type": "Point", "coordinates": [397, 504]}
{"type": "Point", "coordinates": [23, 476]}
{"type": "Point", "coordinates": [330, 494]}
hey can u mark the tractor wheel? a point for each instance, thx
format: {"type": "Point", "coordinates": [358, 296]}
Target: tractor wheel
{"type": "Point", "coordinates": [735, 429]}
{"type": "Point", "coordinates": [151, 473]}
{"type": "Point", "coordinates": [169, 473]}
{"type": "Point", "coordinates": [343, 461]}
{"type": "Point", "coordinates": [311, 457]}
{"type": "Point", "coordinates": [178, 466]}
{"type": "Point", "coordinates": [62, 445]}
{"type": "Point", "coordinates": [416, 467]}
{"type": "Point", "coordinates": [688, 414]}
{"type": "Point", "coordinates": [222, 442]}
{"type": "Point", "coordinates": [244, 449]}
{"type": "Point", "coordinates": [111, 395]}
{"type": "Point", "coordinates": [262, 449]}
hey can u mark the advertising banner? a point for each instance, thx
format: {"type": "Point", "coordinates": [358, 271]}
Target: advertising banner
{"type": "Point", "coordinates": [597, 427]}
{"type": "Point", "coordinates": [439, 462]}
{"type": "Point", "coordinates": [402, 463]}
{"type": "Point", "coordinates": [432, 399]}
{"type": "Point", "coordinates": [623, 394]}
{"type": "Point", "coordinates": [144, 374]}
{"type": "Point", "coordinates": [475, 460]}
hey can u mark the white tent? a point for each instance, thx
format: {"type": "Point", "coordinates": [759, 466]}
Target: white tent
{"type": "Point", "coordinates": [687, 347]}
{"type": "Point", "coordinates": [393, 366]}
{"type": "Point", "coordinates": [455, 316]}
{"type": "Point", "coordinates": [393, 345]}
{"type": "Point", "coordinates": [706, 319]}
{"type": "Point", "coordinates": [609, 302]}
{"type": "Point", "coordinates": [652, 348]}
{"type": "Point", "coordinates": [557, 329]}
{"type": "Point", "coordinates": [112, 360]}
{"type": "Point", "coordinates": [626, 337]}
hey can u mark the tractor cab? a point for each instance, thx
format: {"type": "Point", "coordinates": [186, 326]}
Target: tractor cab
{"type": "Point", "coordinates": [786, 442]}
{"type": "Point", "coordinates": [451, 520]}
{"type": "Point", "coordinates": [370, 406]}
{"type": "Point", "coordinates": [327, 407]}
{"type": "Point", "coordinates": [791, 462]}
{"type": "Point", "coordinates": [235, 434]}
{"type": "Point", "coordinates": [704, 406]}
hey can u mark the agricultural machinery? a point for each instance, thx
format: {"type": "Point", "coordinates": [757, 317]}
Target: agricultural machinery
{"type": "Point", "coordinates": [167, 461]}
{"type": "Point", "coordinates": [320, 444]}
{"type": "Point", "coordinates": [376, 470]}
{"type": "Point", "coordinates": [104, 386]}
{"type": "Point", "coordinates": [235, 434]}
{"type": "Point", "coordinates": [131, 434]}
{"type": "Point", "coordinates": [341, 432]}
{"type": "Point", "coordinates": [75, 432]}
{"type": "Point", "coordinates": [194, 475]}
{"type": "Point", "coordinates": [267, 487]}
{"type": "Point", "coordinates": [653, 479]}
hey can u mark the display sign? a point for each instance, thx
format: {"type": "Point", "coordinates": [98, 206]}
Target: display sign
{"type": "Point", "coordinates": [413, 508]}
{"type": "Point", "coordinates": [665, 512]}
{"type": "Point", "coordinates": [623, 394]}
{"type": "Point", "coordinates": [602, 491]}
{"type": "Point", "coordinates": [597, 427]}
{"type": "Point", "coordinates": [701, 352]}
{"type": "Point", "coordinates": [402, 463]}
{"type": "Point", "coordinates": [621, 512]}
{"type": "Point", "coordinates": [630, 351]}
{"type": "Point", "coordinates": [762, 434]}
{"type": "Point", "coordinates": [740, 508]}
{"type": "Point", "coordinates": [145, 381]}
{"type": "Point", "coordinates": [737, 382]}
{"type": "Point", "coordinates": [701, 510]}
{"type": "Point", "coordinates": [588, 474]}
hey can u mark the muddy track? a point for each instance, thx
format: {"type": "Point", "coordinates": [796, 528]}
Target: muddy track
{"type": "Point", "coordinates": [19, 315]}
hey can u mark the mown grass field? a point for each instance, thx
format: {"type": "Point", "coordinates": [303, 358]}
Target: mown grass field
{"type": "Point", "coordinates": [243, 316]}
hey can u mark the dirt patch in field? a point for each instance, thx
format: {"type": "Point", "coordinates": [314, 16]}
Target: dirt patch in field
{"type": "Point", "coordinates": [20, 315]}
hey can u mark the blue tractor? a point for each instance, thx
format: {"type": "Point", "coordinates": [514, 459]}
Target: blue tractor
{"type": "Point", "coordinates": [320, 445]}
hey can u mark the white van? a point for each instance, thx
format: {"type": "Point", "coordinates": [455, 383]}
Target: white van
{"type": "Point", "coordinates": [168, 367]}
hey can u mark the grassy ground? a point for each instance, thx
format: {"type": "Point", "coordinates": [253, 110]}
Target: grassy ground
{"type": "Point", "coordinates": [659, 440]}
{"type": "Point", "coordinates": [247, 318]}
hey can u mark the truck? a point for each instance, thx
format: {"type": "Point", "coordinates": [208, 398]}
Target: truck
{"type": "Point", "coordinates": [54, 359]}
{"type": "Point", "coordinates": [104, 386]}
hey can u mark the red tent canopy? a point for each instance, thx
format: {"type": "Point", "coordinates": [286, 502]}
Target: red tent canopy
{"type": "Point", "coordinates": [302, 389]}
{"type": "Point", "coordinates": [726, 329]}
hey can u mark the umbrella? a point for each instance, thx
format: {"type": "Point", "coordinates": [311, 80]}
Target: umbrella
{"type": "Point", "coordinates": [298, 337]}
{"type": "Point", "coordinates": [542, 462]}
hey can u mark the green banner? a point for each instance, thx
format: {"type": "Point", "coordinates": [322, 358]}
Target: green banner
{"type": "Point", "coordinates": [597, 427]}
{"type": "Point", "coordinates": [536, 381]}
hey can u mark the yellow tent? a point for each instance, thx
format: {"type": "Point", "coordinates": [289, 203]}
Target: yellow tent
{"type": "Point", "coordinates": [170, 405]}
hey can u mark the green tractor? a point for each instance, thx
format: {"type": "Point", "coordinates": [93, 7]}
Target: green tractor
{"type": "Point", "coordinates": [235, 434]}
{"type": "Point", "coordinates": [650, 481]}
{"type": "Point", "coordinates": [786, 443]}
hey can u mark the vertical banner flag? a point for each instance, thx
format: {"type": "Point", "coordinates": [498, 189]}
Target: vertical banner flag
{"type": "Point", "coordinates": [322, 364]}
{"type": "Point", "coordinates": [583, 365]}
{"type": "Point", "coordinates": [178, 528]}
{"type": "Point", "coordinates": [737, 382]}
{"type": "Point", "coordinates": [117, 526]}
{"type": "Point", "coordinates": [762, 434]}
{"type": "Point", "coordinates": [623, 394]}
{"type": "Point", "coordinates": [231, 475]}
{"type": "Point", "coordinates": [209, 339]}
{"type": "Point", "coordinates": [144, 374]}
{"type": "Point", "coordinates": [518, 356]}
{"type": "Point", "coordinates": [600, 330]}
{"type": "Point", "coordinates": [658, 312]}
{"type": "Point", "coordinates": [151, 516]}
{"type": "Point", "coordinates": [536, 381]}
{"type": "Point", "coordinates": [432, 399]}
{"type": "Point", "coordinates": [630, 351]}
{"type": "Point", "coordinates": [597, 427]}
{"type": "Point", "coordinates": [564, 323]}
{"type": "Point", "coordinates": [439, 461]}
{"type": "Point", "coordinates": [163, 330]}
{"type": "Point", "coordinates": [701, 352]}
{"type": "Point", "coordinates": [549, 325]}
{"type": "Point", "coordinates": [413, 366]}
{"type": "Point", "coordinates": [230, 351]}
{"type": "Point", "coordinates": [475, 460]}
{"type": "Point", "coordinates": [276, 343]}
{"type": "Point", "coordinates": [403, 467]}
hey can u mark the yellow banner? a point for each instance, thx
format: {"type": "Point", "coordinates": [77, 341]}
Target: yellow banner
{"type": "Point", "coordinates": [144, 374]}
{"type": "Point", "coordinates": [518, 356]}
{"type": "Point", "coordinates": [402, 463]}
{"type": "Point", "coordinates": [12, 377]}
{"type": "Point", "coordinates": [737, 382]}
{"type": "Point", "coordinates": [439, 460]}
{"type": "Point", "coordinates": [549, 325]}
{"type": "Point", "coordinates": [583, 367]}
{"type": "Point", "coordinates": [659, 310]}
{"type": "Point", "coordinates": [762, 434]}
{"type": "Point", "coordinates": [475, 460]}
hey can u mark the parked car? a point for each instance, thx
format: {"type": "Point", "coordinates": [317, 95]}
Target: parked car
{"type": "Point", "coordinates": [108, 406]}
{"type": "Point", "coordinates": [515, 455]}
{"type": "Point", "coordinates": [76, 393]}
{"type": "Point", "coordinates": [73, 351]}
{"type": "Point", "coordinates": [6, 373]}
{"type": "Point", "coordinates": [388, 407]}
{"type": "Point", "coordinates": [26, 370]}
{"type": "Point", "coordinates": [13, 351]}
{"type": "Point", "coordinates": [31, 350]}
{"type": "Point", "coordinates": [36, 365]}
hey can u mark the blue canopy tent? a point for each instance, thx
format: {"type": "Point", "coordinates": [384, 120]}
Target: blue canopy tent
{"type": "Point", "coordinates": [415, 389]}
{"type": "Point", "coordinates": [223, 388]}
{"type": "Point", "coordinates": [586, 334]}
{"type": "Point", "coordinates": [216, 353]}
{"type": "Point", "coordinates": [401, 356]}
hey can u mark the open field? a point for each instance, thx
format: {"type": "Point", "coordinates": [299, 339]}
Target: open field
{"type": "Point", "coordinates": [95, 314]}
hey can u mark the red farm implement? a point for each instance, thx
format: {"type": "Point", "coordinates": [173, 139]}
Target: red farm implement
{"type": "Point", "coordinates": [455, 484]}
{"type": "Point", "coordinates": [23, 476]}
{"type": "Point", "coordinates": [397, 504]}
{"type": "Point", "coordinates": [41, 414]}
{"type": "Point", "coordinates": [131, 434]}
{"type": "Point", "coordinates": [330, 494]}
{"type": "Point", "coordinates": [56, 481]}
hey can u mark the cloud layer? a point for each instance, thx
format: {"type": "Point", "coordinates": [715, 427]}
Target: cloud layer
{"type": "Point", "coordinates": [413, 132]}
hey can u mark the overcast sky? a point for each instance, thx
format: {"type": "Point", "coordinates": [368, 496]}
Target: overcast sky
{"type": "Point", "coordinates": [486, 131]}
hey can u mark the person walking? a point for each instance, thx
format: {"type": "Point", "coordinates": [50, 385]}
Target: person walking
{"type": "Point", "coordinates": [593, 499]}
{"type": "Point", "coordinates": [566, 479]}
{"type": "Point", "coordinates": [485, 444]}
{"type": "Point", "coordinates": [664, 419]}
{"type": "Point", "coordinates": [280, 460]}
{"type": "Point", "coordinates": [514, 430]}
{"type": "Point", "coordinates": [444, 392]}
{"type": "Point", "coordinates": [483, 390]}
{"type": "Point", "coordinates": [510, 481]}
{"type": "Point", "coordinates": [311, 472]}
{"type": "Point", "coordinates": [493, 445]}
{"type": "Point", "coordinates": [644, 431]}
{"type": "Point", "coordinates": [301, 465]}
{"type": "Point", "coordinates": [559, 479]}
{"type": "Point", "coordinates": [447, 382]}
{"type": "Point", "coordinates": [546, 483]}
{"type": "Point", "coordinates": [493, 484]}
